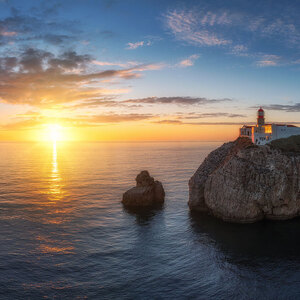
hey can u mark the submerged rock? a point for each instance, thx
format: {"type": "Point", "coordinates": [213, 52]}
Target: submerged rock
{"type": "Point", "coordinates": [148, 192]}
{"type": "Point", "coordinates": [242, 182]}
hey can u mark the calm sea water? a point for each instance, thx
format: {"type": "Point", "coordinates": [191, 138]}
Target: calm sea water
{"type": "Point", "coordinates": [65, 235]}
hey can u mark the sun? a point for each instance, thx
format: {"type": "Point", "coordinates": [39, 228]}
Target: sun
{"type": "Point", "coordinates": [54, 132]}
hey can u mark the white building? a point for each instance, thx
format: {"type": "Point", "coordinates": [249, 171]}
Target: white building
{"type": "Point", "coordinates": [263, 133]}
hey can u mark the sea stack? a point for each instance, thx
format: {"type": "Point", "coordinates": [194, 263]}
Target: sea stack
{"type": "Point", "coordinates": [243, 182]}
{"type": "Point", "coordinates": [147, 192]}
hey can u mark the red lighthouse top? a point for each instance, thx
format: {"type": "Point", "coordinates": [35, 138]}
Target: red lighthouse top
{"type": "Point", "coordinates": [260, 117]}
{"type": "Point", "coordinates": [260, 113]}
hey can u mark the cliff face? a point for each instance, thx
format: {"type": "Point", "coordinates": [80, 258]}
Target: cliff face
{"type": "Point", "coordinates": [241, 182]}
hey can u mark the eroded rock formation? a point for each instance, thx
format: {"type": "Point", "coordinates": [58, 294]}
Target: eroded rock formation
{"type": "Point", "coordinates": [242, 182]}
{"type": "Point", "coordinates": [147, 192]}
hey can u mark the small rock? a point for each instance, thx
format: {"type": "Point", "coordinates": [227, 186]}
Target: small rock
{"type": "Point", "coordinates": [148, 192]}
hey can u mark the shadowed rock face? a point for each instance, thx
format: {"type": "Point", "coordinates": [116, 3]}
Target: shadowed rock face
{"type": "Point", "coordinates": [241, 182]}
{"type": "Point", "coordinates": [147, 192]}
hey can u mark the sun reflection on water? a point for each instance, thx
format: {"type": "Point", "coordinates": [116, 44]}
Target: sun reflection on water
{"type": "Point", "coordinates": [54, 159]}
{"type": "Point", "coordinates": [55, 188]}
{"type": "Point", "coordinates": [57, 209]}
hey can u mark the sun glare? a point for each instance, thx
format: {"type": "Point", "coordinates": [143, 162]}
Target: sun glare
{"type": "Point", "coordinates": [54, 132]}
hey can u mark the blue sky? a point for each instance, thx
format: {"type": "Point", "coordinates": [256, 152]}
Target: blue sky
{"type": "Point", "coordinates": [217, 60]}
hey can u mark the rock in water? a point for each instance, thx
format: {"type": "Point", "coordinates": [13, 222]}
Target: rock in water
{"type": "Point", "coordinates": [147, 192]}
{"type": "Point", "coordinates": [242, 182]}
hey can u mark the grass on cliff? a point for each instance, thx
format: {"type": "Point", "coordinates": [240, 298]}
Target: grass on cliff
{"type": "Point", "coordinates": [290, 144]}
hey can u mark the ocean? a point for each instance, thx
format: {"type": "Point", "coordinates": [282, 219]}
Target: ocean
{"type": "Point", "coordinates": [64, 233]}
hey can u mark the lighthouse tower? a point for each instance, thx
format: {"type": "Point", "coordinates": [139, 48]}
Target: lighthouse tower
{"type": "Point", "coordinates": [260, 117]}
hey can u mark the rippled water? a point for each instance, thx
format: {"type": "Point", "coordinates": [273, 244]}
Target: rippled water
{"type": "Point", "coordinates": [65, 235]}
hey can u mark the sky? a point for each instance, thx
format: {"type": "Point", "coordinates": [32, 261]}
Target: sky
{"type": "Point", "coordinates": [132, 70]}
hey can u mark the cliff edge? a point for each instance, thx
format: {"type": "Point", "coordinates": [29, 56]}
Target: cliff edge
{"type": "Point", "coordinates": [242, 182]}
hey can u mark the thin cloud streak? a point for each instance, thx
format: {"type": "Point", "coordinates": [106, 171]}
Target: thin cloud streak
{"type": "Point", "coordinates": [177, 100]}
{"type": "Point", "coordinates": [119, 64]}
{"type": "Point", "coordinates": [35, 120]}
{"type": "Point", "coordinates": [178, 122]}
{"type": "Point", "coordinates": [269, 61]}
{"type": "Point", "coordinates": [188, 62]}
{"type": "Point", "coordinates": [282, 107]}
{"type": "Point", "coordinates": [8, 33]}
{"type": "Point", "coordinates": [209, 115]}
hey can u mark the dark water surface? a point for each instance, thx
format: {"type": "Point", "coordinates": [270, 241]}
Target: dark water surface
{"type": "Point", "coordinates": [65, 235]}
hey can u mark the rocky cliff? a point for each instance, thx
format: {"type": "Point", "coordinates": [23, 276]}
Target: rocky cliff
{"type": "Point", "coordinates": [242, 182]}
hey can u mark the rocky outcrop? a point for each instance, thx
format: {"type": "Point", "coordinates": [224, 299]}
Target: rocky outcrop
{"type": "Point", "coordinates": [148, 192]}
{"type": "Point", "coordinates": [242, 182]}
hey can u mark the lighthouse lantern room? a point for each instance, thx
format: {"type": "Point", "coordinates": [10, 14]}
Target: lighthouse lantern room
{"type": "Point", "coordinates": [260, 117]}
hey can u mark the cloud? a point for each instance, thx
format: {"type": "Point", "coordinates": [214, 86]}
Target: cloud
{"type": "Point", "coordinates": [117, 118]}
{"type": "Point", "coordinates": [179, 122]}
{"type": "Point", "coordinates": [209, 115]}
{"type": "Point", "coordinates": [119, 64]}
{"type": "Point", "coordinates": [148, 67]}
{"type": "Point", "coordinates": [135, 45]}
{"type": "Point", "coordinates": [288, 108]}
{"type": "Point", "coordinates": [239, 31]}
{"type": "Point", "coordinates": [187, 26]}
{"type": "Point", "coordinates": [24, 28]}
{"type": "Point", "coordinates": [276, 27]}
{"type": "Point", "coordinates": [104, 101]}
{"type": "Point", "coordinates": [169, 122]}
{"type": "Point", "coordinates": [240, 50]}
{"type": "Point", "coordinates": [132, 66]}
{"type": "Point", "coordinates": [69, 60]}
{"type": "Point", "coordinates": [211, 18]}
{"type": "Point", "coordinates": [40, 78]}
{"type": "Point", "coordinates": [35, 120]}
{"type": "Point", "coordinates": [111, 101]}
{"type": "Point", "coordinates": [149, 40]}
{"type": "Point", "coordinates": [8, 33]}
{"type": "Point", "coordinates": [269, 61]}
{"type": "Point", "coordinates": [183, 119]}
{"type": "Point", "coordinates": [177, 100]}
{"type": "Point", "coordinates": [188, 62]}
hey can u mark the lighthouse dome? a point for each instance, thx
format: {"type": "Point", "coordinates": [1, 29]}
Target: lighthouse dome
{"type": "Point", "coordinates": [260, 113]}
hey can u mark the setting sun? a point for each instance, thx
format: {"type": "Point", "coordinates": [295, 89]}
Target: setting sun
{"type": "Point", "coordinates": [54, 132]}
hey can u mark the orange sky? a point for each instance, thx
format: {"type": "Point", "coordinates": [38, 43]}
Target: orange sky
{"type": "Point", "coordinates": [127, 132]}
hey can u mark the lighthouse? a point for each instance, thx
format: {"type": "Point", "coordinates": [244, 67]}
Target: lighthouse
{"type": "Point", "coordinates": [263, 133]}
{"type": "Point", "coordinates": [260, 117]}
